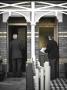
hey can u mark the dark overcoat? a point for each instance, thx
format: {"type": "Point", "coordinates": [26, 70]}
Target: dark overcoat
{"type": "Point", "coordinates": [16, 49]}
{"type": "Point", "coordinates": [52, 49]}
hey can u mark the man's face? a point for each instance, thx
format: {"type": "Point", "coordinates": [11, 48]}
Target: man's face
{"type": "Point", "coordinates": [14, 36]}
{"type": "Point", "coordinates": [49, 37]}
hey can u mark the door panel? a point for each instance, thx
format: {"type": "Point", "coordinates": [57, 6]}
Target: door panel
{"type": "Point", "coordinates": [22, 35]}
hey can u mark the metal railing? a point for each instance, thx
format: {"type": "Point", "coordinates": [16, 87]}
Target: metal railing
{"type": "Point", "coordinates": [42, 77]}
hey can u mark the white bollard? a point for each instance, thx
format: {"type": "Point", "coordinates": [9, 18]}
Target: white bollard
{"type": "Point", "coordinates": [42, 79]}
{"type": "Point", "coordinates": [47, 75]}
{"type": "Point", "coordinates": [36, 81]}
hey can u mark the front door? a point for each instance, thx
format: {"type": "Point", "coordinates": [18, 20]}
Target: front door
{"type": "Point", "coordinates": [22, 36]}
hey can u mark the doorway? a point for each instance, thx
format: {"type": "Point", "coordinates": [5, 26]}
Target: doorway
{"type": "Point", "coordinates": [22, 36]}
{"type": "Point", "coordinates": [44, 32]}
{"type": "Point", "coordinates": [47, 27]}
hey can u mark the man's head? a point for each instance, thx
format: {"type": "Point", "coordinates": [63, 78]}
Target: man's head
{"type": "Point", "coordinates": [49, 38]}
{"type": "Point", "coordinates": [14, 36]}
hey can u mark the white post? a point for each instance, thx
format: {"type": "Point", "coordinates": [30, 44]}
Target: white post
{"type": "Point", "coordinates": [36, 80]}
{"type": "Point", "coordinates": [42, 79]}
{"type": "Point", "coordinates": [47, 76]}
{"type": "Point", "coordinates": [32, 31]}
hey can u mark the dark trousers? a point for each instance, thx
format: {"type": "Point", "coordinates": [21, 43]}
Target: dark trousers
{"type": "Point", "coordinates": [17, 66]}
{"type": "Point", "coordinates": [53, 68]}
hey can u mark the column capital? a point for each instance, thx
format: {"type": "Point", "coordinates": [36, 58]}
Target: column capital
{"type": "Point", "coordinates": [59, 16]}
{"type": "Point", "coordinates": [5, 16]}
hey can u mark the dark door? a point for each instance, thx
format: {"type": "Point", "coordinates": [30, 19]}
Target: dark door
{"type": "Point", "coordinates": [22, 36]}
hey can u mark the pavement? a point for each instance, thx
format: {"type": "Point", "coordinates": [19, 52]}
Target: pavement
{"type": "Point", "coordinates": [13, 83]}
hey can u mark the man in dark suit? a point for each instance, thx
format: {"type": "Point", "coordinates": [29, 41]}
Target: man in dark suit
{"type": "Point", "coordinates": [16, 51]}
{"type": "Point", "coordinates": [53, 54]}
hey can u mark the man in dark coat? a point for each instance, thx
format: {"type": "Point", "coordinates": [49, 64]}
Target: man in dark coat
{"type": "Point", "coordinates": [16, 51]}
{"type": "Point", "coordinates": [53, 54]}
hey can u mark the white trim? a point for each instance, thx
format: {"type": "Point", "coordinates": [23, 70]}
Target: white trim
{"type": "Point", "coordinates": [21, 3]}
{"type": "Point", "coordinates": [43, 8]}
{"type": "Point", "coordinates": [27, 16]}
{"type": "Point", "coordinates": [37, 36]}
{"type": "Point", "coordinates": [12, 10]}
{"type": "Point", "coordinates": [17, 24]}
{"type": "Point", "coordinates": [61, 5]}
{"type": "Point", "coordinates": [35, 32]}
{"type": "Point", "coordinates": [20, 7]}
{"type": "Point", "coordinates": [28, 32]}
{"type": "Point", "coordinates": [62, 35]}
{"type": "Point", "coordinates": [62, 32]}
{"type": "Point", "coordinates": [28, 36]}
{"type": "Point", "coordinates": [3, 32]}
{"type": "Point", "coordinates": [48, 5]}
{"type": "Point", "coordinates": [48, 10]}
{"type": "Point", "coordinates": [3, 36]}
{"type": "Point", "coordinates": [64, 12]}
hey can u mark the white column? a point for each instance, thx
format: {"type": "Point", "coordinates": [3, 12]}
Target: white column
{"type": "Point", "coordinates": [33, 31]}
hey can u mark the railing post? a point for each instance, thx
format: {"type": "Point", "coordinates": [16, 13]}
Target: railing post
{"type": "Point", "coordinates": [42, 79]}
{"type": "Point", "coordinates": [36, 79]}
{"type": "Point", "coordinates": [47, 75]}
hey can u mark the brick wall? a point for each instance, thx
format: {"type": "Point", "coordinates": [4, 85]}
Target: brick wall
{"type": "Point", "coordinates": [28, 41]}
{"type": "Point", "coordinates": [37, 41]}
{"type": "Point", "coordinates": [3, 39]}
{"type": "Point", "coordinates": [62, 45]}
